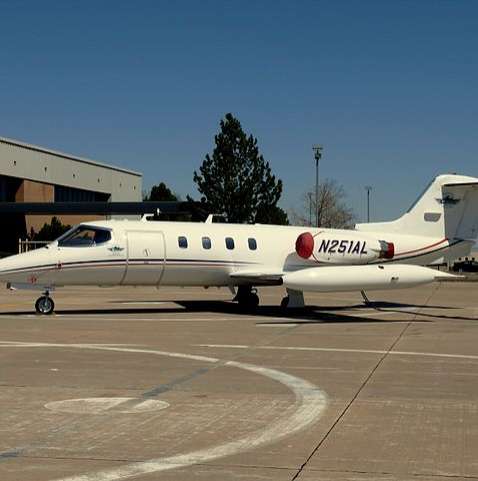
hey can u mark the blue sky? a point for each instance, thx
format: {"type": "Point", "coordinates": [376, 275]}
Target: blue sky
{"type": "Point", "coordinates": [389, 88]}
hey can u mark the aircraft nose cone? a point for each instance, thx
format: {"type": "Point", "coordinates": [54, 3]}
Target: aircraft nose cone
{"type": "Point", "coordinates": [20, 268]}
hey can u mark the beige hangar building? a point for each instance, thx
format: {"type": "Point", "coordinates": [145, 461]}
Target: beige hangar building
{"type": "Point", "coordinates": [29, 173]}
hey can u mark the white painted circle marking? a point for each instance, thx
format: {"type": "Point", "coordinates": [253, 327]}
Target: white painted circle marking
{"type": "Point", "coordinates": [310, 403]}
{"type": "Point", "coordinates": [103, 405]}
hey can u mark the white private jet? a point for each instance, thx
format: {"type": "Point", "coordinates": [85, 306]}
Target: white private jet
{"type": "Point", "coordinates": [442, 224]}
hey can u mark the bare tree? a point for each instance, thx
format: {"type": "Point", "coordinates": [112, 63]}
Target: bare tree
{"type": "Point", "coordinates": [333, 210]}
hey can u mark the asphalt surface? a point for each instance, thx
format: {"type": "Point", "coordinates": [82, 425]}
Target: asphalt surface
{"type": "Point", "coordinates": [178, 384]}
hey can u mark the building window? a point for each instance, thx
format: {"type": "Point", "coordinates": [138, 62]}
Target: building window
{"type": "Point", "coordinates": [8, 188]}
{"type": "Point", "coordinates": [252, 243]}
{"type": "Point", "coordinates": [229, 243]}
{"type": "Point", "coordinates": [71, 194]}
{"type": "Point", "coordinates": [206, 243]}
{"type": "Point", "coordinates": [183, 242]}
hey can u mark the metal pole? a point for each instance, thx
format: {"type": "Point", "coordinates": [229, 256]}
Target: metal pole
{"type": "Point", "coordinates": [368, 206]}
{"type": "Point", "coordinates": [310, 209]}
{"type": "Point", "coordinates": [317, 192]}
{"type": "Point", "coordinates": [317, 155]}
{"type": "Point", "coordinates": [368, 188]}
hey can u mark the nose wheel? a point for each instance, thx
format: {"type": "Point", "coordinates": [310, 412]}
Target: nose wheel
{"type": "Point", "coordinates": [44, 305]}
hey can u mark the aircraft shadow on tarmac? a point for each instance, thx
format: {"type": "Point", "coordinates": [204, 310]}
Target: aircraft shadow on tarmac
{"type": "Point", "coordinates": [402, 305]}
{"type": "Point", "coordinates": [307, 315]}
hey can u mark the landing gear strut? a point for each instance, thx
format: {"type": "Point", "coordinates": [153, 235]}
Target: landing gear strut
{"type": "Point", "coordinates": [247, 297]}
{"type": "Point", "coordinates": [294, 299]}
{"type": "Point", "coordinates": [44, 304]}
{"type": "Point", "coordinates": [366, 300]}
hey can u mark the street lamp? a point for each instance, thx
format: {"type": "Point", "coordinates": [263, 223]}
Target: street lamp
{"type": "Point", "coordinates": [368, 188]}
{"type": "Point", "coordinates": [309, 195]}
{"type": "Point", "coordinates": [317, 155]}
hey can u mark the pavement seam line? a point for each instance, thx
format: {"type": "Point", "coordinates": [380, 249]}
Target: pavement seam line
{"type": "Point", "coordinates": [388, 473]}
{"type": "Point", "coordinates": [349, 405]}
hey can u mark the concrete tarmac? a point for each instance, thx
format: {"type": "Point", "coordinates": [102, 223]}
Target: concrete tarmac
{"type": "Point", "coordinates": [178, 384]}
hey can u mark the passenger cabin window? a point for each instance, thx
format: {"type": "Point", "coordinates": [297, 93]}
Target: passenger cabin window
{"type": "Point", "coordinates": [252, 244]}
{"type": "Point", "coordinates": [84, 236]}
{"type": "Point", "coordinates": [183, 242]}
{"type": "Point", "coordinates": [206, 243]}
{"type": "Point", "coordinates": [229, 243]}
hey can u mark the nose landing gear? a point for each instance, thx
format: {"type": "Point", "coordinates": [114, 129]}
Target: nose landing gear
{"type": "Point", "coordinates": [44, 304]}
{"type": "Point", "coordinates": [247, 298]}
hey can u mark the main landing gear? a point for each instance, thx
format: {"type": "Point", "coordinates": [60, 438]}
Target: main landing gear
{"type": "Point", "coordinates": [293, 300]}
{"type": "Point", "coordinates": [247, 298]}
{"type": "Point", "coordinates": [44, 304]}
{"type": "Point", "coordinates": [366, 300]}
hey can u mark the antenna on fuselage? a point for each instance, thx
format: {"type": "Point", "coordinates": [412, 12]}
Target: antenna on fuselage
{"type": "Point", "coordinates": [210, 218]}
{"type": "Point", "coordinates": [147, 217]}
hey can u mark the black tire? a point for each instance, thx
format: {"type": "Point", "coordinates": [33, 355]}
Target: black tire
{"type": "Point", "coordinates": [253, 301]}
{"type": "Point", "coordinates": [44, 305]}
{"type": "Point", "coordinates": [248, 303]}
{"type": "Point", "coordinates": [285, 302]}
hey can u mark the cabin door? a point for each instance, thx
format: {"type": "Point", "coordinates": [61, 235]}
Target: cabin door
{"type": "Point", "coordinates": [145, 258]}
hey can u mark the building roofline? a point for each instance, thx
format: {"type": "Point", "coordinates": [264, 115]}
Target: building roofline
{"type": "Point", "coordinates": [84, 160]}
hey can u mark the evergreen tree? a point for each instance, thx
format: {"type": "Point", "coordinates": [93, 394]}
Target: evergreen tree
{"type": "Point", "coordinates": [52, 231]}
{"type": "Point", "coordinates": [237, 181]}
{"type": "Point", "coordinates": [161, 192]}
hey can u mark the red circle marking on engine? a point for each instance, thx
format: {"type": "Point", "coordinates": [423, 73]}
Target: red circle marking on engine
{"type": "Point", "coordinates": [304, 245]}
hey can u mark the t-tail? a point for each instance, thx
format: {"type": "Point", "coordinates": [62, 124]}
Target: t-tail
{"type": "Point", "coordinates": [447, 209]}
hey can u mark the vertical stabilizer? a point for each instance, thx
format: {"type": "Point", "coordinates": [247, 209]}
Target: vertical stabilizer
{"type": "Point", "coordinates": [448, 208]}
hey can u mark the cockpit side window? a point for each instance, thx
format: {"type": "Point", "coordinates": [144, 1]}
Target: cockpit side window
{"type": "Point", "coordinates": [84, 236]}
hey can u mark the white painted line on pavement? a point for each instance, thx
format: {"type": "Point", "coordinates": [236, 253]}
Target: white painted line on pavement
{"type": "Point", "coordinates": [142, 303]}
{"type": "Point", "coordinates": [277, 324]}
{"type": "Point", "coordinates": [332, 349]}
{"type": "Point", "coordinates": [106, 317]}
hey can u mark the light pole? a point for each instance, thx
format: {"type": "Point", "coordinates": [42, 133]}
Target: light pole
{"type": "Point", "coordinates": [310, 208]}
{"type": "Point", "coordinates": [317, 155]}
{"type": "Point", "coordinates": [368, 188]}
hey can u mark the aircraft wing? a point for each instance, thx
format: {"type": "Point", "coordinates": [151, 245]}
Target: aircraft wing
{"type": "Point", "coordinates": [263, 277]}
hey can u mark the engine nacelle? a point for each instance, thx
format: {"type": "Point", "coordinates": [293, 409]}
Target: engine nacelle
{"type": "Point", "coordinates": [350, 248]}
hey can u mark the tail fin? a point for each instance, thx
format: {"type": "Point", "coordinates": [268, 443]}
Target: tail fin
{"type": "Point", "coordinates": [448, 208]}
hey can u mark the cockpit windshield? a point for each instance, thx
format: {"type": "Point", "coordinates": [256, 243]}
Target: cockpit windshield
{"type": "Point", "coordinates": [84, 236]}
